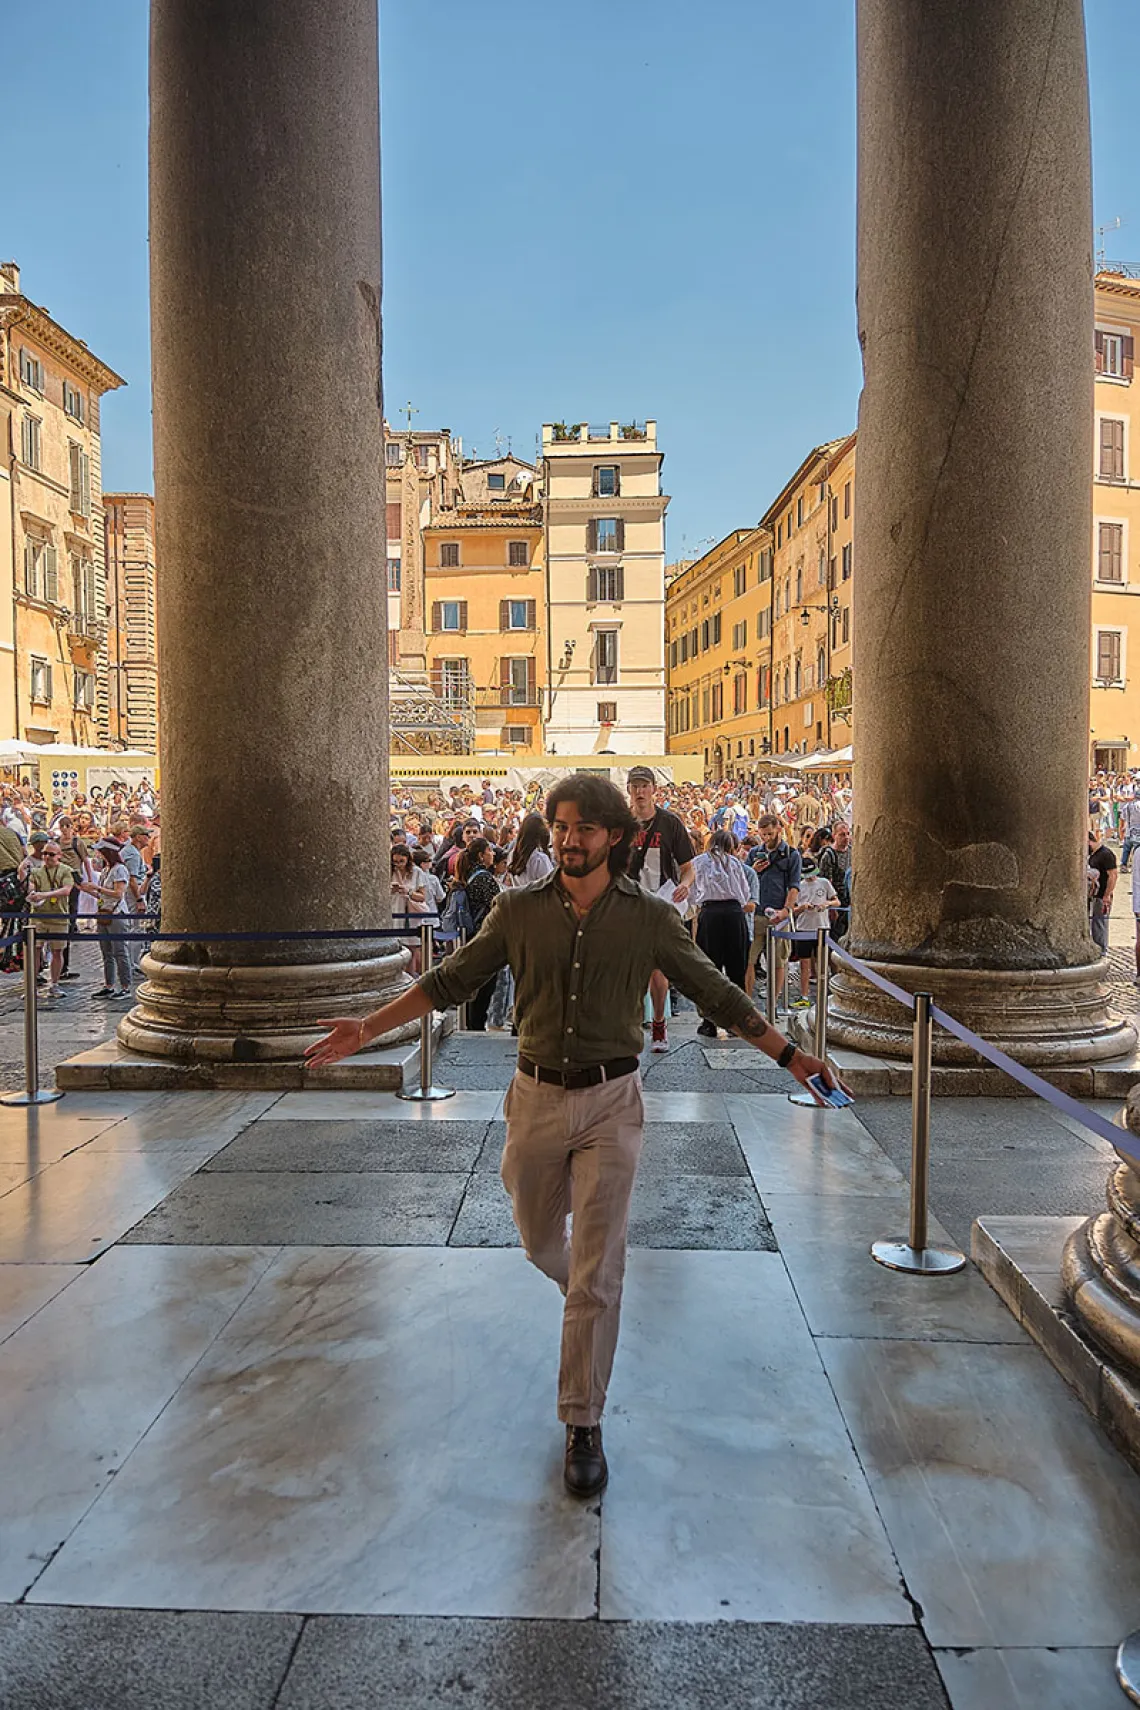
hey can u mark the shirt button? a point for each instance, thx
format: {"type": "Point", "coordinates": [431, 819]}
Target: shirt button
{"type": "Point", "coordinates": [573, 997]}
{"type": "Point", "coordinates": [577, 964]}
{"type": "Point", "coordinates": [569, 1030]}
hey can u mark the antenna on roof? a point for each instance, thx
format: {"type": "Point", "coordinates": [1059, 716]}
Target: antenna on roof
{"type": "Point", "coordinates": [1112, 226]}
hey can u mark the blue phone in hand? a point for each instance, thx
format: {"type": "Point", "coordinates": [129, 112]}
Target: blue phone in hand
{"type": "Point", "coordinates": [834, 1097]}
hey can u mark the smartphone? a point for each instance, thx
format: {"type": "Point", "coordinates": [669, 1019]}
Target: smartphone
{"type": "Point", "coordinates": [834, 1097]}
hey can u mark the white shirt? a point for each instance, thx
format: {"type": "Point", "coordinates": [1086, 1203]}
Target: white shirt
{"type": "Point", "coordinates": [812, 911]}
{"type": "Point", "coordinates": [719, 879]}
{"type": "Point", "coordinates": [538, 866]}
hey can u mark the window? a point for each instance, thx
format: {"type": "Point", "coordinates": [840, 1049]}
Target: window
{"type": "Point", "coordinates": [518, 554]}
{"type": "Point", "coordinates": [847, 498]}
{"type": "Point", "coordinates": [740, 634]}
{"type": "Point", "coordinates": [31, 371]}
{"type": "Point", "coordinates": [80, 471]}
{"type": "Point", "coordinates": [516, 614]}
{"type": "Point", "coordinates": [420, 453]}
{"type": "Point", "coordinates": [779, 534]}
{"type": "Point", "coordinates": [607, 582]}
{"type": "Point", "coordinates": [799, 585]}
{"type": "Point", "coordinates": [809, 713]}
{"type": "Point", "coordinates": [835, 511]}
{"type": "Point", "coordinates": [766, 565]}
{"type": "Point", "coordinates": [821, 571]}
{"type": "Point", "coordinates": [684, 645]}
{"type": "Point", "coordinates": [393, 454]}
{"type": "Point", "coordinates": [763, 685]}
{"type": "Point", "coordinates": [41, 680]}
{"type": "Point", "coordinates": [846, 625]}
{"type": "Point", "coordinates": [788, 526]}
{"type": "Point", "coordinates": [31, 441]}
{"type": "Point", "coordinates": [605, 534]}
{"type": "Point", "coordinates": [831, 576]}
{"type": "Point", "coordinates": [83, 692]}
{"type": "Point", "coordinates": [716, 630]}
{"type": "Point", "coordinates": [41, 578]}
{"type": "Point", "coordinates": [83, 593]}
{"type": "Point", "coordinates": [607, 712]}
{"type": "Point", "coordinates": [1114, 355]}
{"type": "Point", "coordinates": [449, 616]}
{"type": "Point", "coordinates": [448, 554]}
{"type": "Point", "coordinates": [740, 694]}
{"type": "Point", "coordinates": [821, 668]}
{"type": "Point", "coordinates": [607, 481]}
{"type": "Point", "coordinates": [847, 561]}
{"type": "Point", "coordinates": [740, 579]}
{"type": "Point", "coordinates": [450, 680]}
{"type": "Point", "coordinates": [516, 735]}
{"type": "Point", "coordinates": [763, 624]}
{"type": "Point", "coordinates": [606, 656]}
{"type": "Point", "coordinates": [800, 511]}
{"type": "Point", "coordinates": [1109, 651]}
{"type": "Point", "coordinates": [496, 482]}
{"type": "Point", "coordinates": [393, 575]}
{"type": "Point", "coordinates": [73, 403]}
{"type": "Point", "coordinates": [1110, 552]}
{"type": "Point", "coordinates": [1111, 448]}
{"type": "Point", "coordinates": [705, 636]}
{"type": "Point", "coordinates": [776, 603]}
{"type": "Point", "coordinates": [516, 682]}
{"type": "Point", "coordinates": [673, 649]}
{"type": "Point", "coordinates": [717, 702]}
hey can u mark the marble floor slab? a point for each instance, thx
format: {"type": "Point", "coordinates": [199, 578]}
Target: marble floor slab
{"type": "Point", "coordinates": [14, 1175]}
{"type": "Point", "coordinates": [1107, 1108]}
{"type": "Point", "coordinates": [826, 1242]}
{"type": "Point", "coordinates": [1031, 1679]}
{"type": "Point", "coordinates": [393, 1664]}
{"type": "Point", "coordinates": [130, 1659]}
{"type": "Point", "coordinates": [24, 1289]}
{"type": "Point", "coordinates": [373, 1432]}
{"type": "Point", "coordinates": [484, 1218]}
{"type": "Point", "coordinates": [359, 1145]}
{"type": "Point", "coordinates": [77, 1208]}
{"type": "Point", "coordinates": [682, 1106]}
{"type": "Point", "coordinates": [88, 1375]}
{"type": "Point", "coordinates": [1014, 1520]}
{"type": "Point", "coordinates": [670, 1148]}
{"type": "Point", "coordinates": [791, 1149]}
{"type": "Point", "coordinates": [385, 1107]}
{"type": "Point", "coordinates": [690, 1212]}
{"type": "Point", "coordinates": [185, 1118]}
{"type": "Point", "coordinates": [41, 1142]}
{"type": "Point", "coordinates": [754, 1509]}
{"type": "Point", "coordinates": [391, 1208]}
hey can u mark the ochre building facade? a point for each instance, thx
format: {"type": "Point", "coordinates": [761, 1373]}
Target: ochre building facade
{"type": "Point", "coordinates": [132, 621]}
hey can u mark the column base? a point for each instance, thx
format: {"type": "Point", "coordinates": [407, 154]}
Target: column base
{"type": "Point", "coordinates": [1043, 1017]}
{"type": "Point", "coordinates": [258, 1014]}
{"type": "Point", "coordinates": [1100, 1271]}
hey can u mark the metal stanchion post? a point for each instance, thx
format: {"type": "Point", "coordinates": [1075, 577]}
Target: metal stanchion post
{"type": "Point", "coordinates": [771, 943]}
{"type": "Point", "coordinates": [913, 1254]}
{"type": "Point", "coordinates": [461, 1012]}
{"type": "Point", "coordinates": [822, 983]}
{"type": "Point", "coordinates": [31, 1093]}
{"type": "Point", "coordinates": [425, 1090]}
{"type": "Point", "coordinates": [1128, 1667]}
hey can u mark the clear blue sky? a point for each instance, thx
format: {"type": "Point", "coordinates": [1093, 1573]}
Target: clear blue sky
{"type": "Point", "coordinates": [618, 209]}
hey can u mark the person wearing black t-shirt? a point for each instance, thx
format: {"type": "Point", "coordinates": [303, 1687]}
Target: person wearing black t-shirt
{"type": "Point", "coordinates": [1102, 883]}
{"type": "Point", "coordinates": [662, 854]}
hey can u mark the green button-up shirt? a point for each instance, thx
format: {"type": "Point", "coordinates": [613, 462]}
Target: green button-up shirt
{"type": "Point", "coordinates": [580, 984]}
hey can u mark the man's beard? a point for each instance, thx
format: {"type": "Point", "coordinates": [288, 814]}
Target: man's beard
{"type": "Point", "coordinates": [582, 863]}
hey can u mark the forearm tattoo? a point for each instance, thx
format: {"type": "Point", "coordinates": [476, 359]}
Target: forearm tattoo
{"type": "Point", "coordinates": [754, 1026]}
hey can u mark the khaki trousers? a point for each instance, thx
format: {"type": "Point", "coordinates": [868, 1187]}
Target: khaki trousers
{"type": "Point", "coordinates": [576, 1152]}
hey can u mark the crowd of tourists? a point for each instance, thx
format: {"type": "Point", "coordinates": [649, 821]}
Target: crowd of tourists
{"type": "Point", "coordinates": [729, 859]}
{"type": "Point", "coordinates": [92, 864]}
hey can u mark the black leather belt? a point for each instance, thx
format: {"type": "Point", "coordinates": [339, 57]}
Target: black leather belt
{"type": "Point", "coordinates": [572, 1079]}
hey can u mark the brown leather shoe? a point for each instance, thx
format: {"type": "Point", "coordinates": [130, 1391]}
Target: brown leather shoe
{"type": "Point", "coordinates": [585, 1472]}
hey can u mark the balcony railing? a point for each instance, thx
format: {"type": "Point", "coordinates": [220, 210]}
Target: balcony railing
{"type": "Point", "coordinates": [506, 696]}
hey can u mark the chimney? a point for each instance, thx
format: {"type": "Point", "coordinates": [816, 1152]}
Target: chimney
{"type": "Point", "coordinates": [10, 274]}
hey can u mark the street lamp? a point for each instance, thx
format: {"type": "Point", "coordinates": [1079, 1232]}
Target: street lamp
{"type": "Point", "coordinates": [832, 609]}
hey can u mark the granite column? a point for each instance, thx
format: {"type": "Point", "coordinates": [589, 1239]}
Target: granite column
{"type": "Point", "coordinates": [972, 529]}
{"type": "Point", "coordinates": [265, 292]}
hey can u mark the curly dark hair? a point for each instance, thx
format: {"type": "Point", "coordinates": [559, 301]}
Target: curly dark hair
{"type": "Point", "coordinates": [601, 802]}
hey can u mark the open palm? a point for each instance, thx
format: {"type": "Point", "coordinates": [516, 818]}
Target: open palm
{"type": "Point", "coordinates": [345, 1038]}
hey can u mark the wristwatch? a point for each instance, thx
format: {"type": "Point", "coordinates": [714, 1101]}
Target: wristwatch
{"type": "Point", "coordinates": [786, 1054]}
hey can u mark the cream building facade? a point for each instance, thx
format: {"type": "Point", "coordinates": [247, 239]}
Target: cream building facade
{"type": "Point", "coordinates": [1114, 702]}
{"type": "Point", "coordinates": [132, 621]}
{"type": "Point", "coordinates": [54, 677]}
{"type": "Point", "coordinates": [604, 525]}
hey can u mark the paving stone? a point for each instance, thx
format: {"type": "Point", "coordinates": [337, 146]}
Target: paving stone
{"type": "Point", "coordinates": [486, 1076]}
{"type": "Point", "coordinates": [349, 1146]}
{"type": "Point", "coordinates": [127, 1659]}
{"type": "Point", "coordinates": [1031, 1679]}
{"type": "Point", "coordinates": [485, 1218]}
{"type": "Point", "coordinates": [686, 1070]}
{"type": "Point", "coordinates": [423, 1664]}
{"type": "Point", "coordinates": [391, 1208]}
{"type": "Point", "coordinates": [975, 1128]}
{"type": "Point", "coordinates": [717, 1212]}
{"type": "Point", "coordinates": [672, 1148]}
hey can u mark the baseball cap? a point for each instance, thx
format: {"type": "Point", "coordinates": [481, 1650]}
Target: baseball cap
{"type": "Point", "coordinates": [39, 837]}
{"type": "Point", "coordinates": [640, 775]}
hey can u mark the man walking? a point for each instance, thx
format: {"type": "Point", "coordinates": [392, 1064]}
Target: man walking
{"type": "Point", "coordinates": [582, 945]}
{"type": "Point", "coordinates": [1102, 883]}
{"type": "Point", "coordinates": [778, 870]}
{"type": "Point", "coordinates": [662, 854]}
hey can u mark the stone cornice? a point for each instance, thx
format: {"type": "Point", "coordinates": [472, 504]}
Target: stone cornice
{"type": "Point", "coordinates": [20, 311]}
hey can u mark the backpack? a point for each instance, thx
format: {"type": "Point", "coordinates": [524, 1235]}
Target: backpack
{"type": "Point", "coordinates": [456, 916]}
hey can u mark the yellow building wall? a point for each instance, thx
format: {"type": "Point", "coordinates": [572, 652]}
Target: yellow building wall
{"type": "Point", "coordinates": [1114, 700]}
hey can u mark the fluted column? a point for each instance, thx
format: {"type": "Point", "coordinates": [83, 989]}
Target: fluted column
{"type": "Point", "coordinates": [972, 528]}
{"type": "Point", "coordinates": [265, 293]}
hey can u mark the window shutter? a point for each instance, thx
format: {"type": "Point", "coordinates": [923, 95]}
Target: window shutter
{"type": "Point", "coordinates": [620, 541]}
{"type": "Point", "coordinates": [437, 615]}
{"type": "Point", "coordinates": [592, 535]}
{"type": "Point", "coordinates": [505, 682]}
{"type": "Point", "coordinates": [51, 575]}
{"type": "Point", "coordinates": [531, 681]}
{"type": "Point", "coordinates": [29, 567]}
{"type": "Point", "coordinates": [504, 614]}
{"type": "Point", "coordinates": [591, 585]}
{"type": "Point", "coordinates": [85, 484]}
{"type": "Point", "coordinates": [1100, 353]}
{"type": "Point", "coordinates": [531, 615]}
{"type": "Point", "coordinates": [463, 615]}
{"type": "Point", "coordinates": [1128, 345]}
{"type": "Point", "coordinates": [47, 683]}
{"type": "Point", "coordinates": [1110, 555]}
{"type": "Point", "coordinates": [619, 582]}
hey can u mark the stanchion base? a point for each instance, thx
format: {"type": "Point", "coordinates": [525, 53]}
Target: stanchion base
{"type": "Point", "coordinates": [922, 1261]}
{"type": "Point", "coordinates": [420, 1095]}
{"type": "Point", "coordinates": [30, 1098]}
{"type": "Point", "coordinates": [1128, 1667]}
